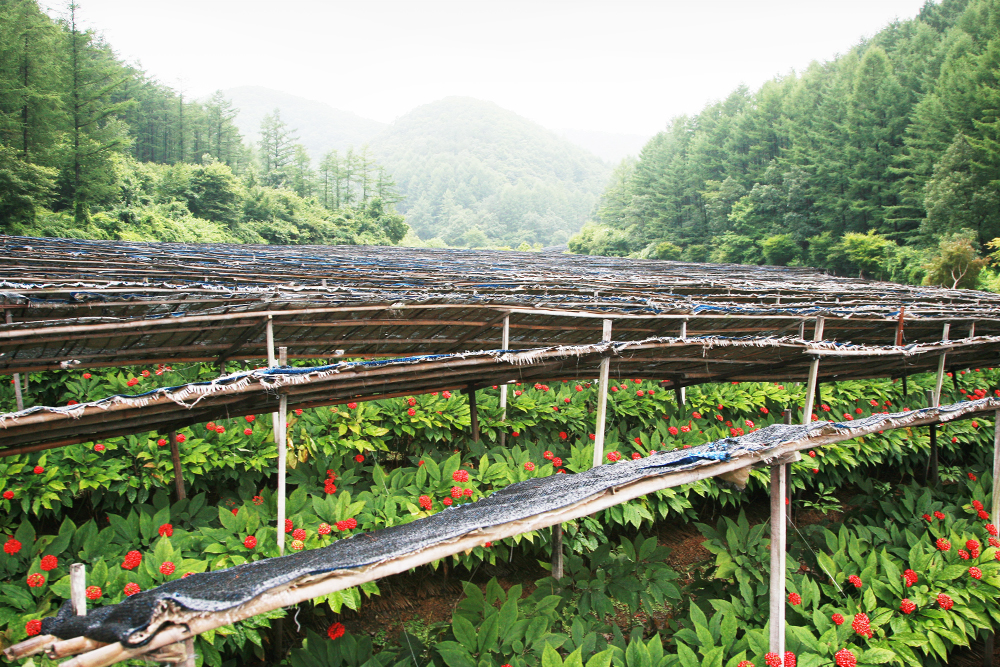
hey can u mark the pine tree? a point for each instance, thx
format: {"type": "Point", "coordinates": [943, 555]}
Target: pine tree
{"type": "Point", "coordinates": [276, 149]}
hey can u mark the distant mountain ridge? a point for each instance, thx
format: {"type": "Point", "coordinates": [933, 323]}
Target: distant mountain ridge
{"type": "Point", "coordinates": [473, 174]}
{"type": "Point", "coordinates": [320, 127]}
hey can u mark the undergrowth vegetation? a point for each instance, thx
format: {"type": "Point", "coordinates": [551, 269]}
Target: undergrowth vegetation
{"type": "Point", "coordinates": [906, 576]}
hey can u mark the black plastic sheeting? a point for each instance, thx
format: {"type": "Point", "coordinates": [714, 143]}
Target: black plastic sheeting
{"type": "Point", "coordinates": [212, 592]}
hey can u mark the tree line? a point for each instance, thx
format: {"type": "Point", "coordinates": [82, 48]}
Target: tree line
{"type": "Point", "coordinates": [884, 162]}
{"type": "Point", "coordinates": [91, 146]}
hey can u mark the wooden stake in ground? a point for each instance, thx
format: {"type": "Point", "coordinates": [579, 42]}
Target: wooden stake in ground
{"type": "Point", "coordinates": [175, 454]}
{"type": "Point", "coordinates": [473, 413]}
{"type": "Point", "coordinates": [681, 392]}
{"type": "Point", "coordinates": [557, 552]}
{"type": "Point", "coordinates": [813, 376]}
{"type": "Point", "coordinates": [777, 574]}
{"type": "Point", "coordinates": [504, 344]}
{"type": "Point", "coordinates": [602, 399]}
{"type": "Point", "coordinates": [17, 377]}
{"type": "Point", "coordinates": [931, 477]}
{"type": "Point", "coordinates": [78, 588]}
{"type": "Point", "coordinates": [940, 372]}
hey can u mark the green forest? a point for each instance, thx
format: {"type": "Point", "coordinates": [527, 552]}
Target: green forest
{"type": "Point", "coordinates": [92, 147]}
{"type": "Point", "coordinates": [883, 163]}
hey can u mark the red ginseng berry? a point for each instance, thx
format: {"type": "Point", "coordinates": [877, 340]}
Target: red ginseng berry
{"type": "Point", "coordinates": [856, 580]}
{"type": "Point", "coordinates": [33, 627]}
{"type": "Point", "coordinates": [132, 560]}
{"type": "Point", "coordinates": [49, 563]}
{"type": "Point", "coordinates": [93, 592]}
{"type": "Point", "coordinates": [250, 542]}
{"type": "Point", "coordinates": [789, 659]}
{"type": "Point", "coordinates": [463, 475]}
{"type": "Point", "coordinates": [167, 568]}
{"type": "Point", "coordinates": [166, 530]}
{"type": "Point", "coordinates": [945, 601]}
{"type": "Point", "coordinates": [975, 573]}
{"type": "Point", "coordinates": [861, 624]}
{"type": "Point", "coordinates": [299, 534]}
{"type": "Point", "coordinates": [772, 660]}
{"type": "Point", "coordinates": [11, 547]}
{"type": "Point", "coordinates": [529, 466]}
{"type": "Point", "coordinates": [942, 544]}
{"type": "Point", "coordinates": [335, 631]}
{"type": "Point", "coordinates": [131, 589]}
{"type": "Point", "coordinates": [907, 607]}
{"type": "Point", "coordinates": [837, 619]}
{"type": "Point", "coordinates": [36, 580]}
{"type": "Point", "coordinates": [845, 658]}
{"type": "Point", "coordinates": [794, 599]}
{"type": "Point", "coordinates": [324, 529]}
{"type": "Point", "coordinates": [425, 502]}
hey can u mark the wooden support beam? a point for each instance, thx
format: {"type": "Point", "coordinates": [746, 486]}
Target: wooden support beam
{"type": "Point", "coordinates": [18, 397]}
{"type": "Point", "coordinates": [175, 454]}
{"type": "Point", "coordinates": [940, 371]}
{"type": "Point", "coordinates": [557, 552]}
{"type": "Point", "coordinates": [473, 413]}
{"type": "Point", "coordinates": [505, 344]}
{"type": "Point", "coordinates": [280, 436]}
{"type": "Point", "coordinates": [602, 400]}
{"type": "Point", "coordinates": [931, 477]}
{"type": "Point", "coordinates": [813, 376]}
{"type": "Point", "coordinates": [899, 326]}
{"type": "Point", "coordinates": [681, 393]}
{"type": "Point", "coordinates": [779, 519]}
{"type": "Point", "coordinates": [78, 588]}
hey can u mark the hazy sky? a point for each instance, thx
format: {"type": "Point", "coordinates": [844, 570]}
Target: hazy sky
{"type": "Point", "coordinates": [614, 66]}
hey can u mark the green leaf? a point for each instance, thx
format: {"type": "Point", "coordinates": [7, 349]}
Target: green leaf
{"type": "Point", "coordinates": [464, 633]}
{"type": "Point", "coordinates": [877, 656]}
{"type": "Point", "coordinates": [550, 658]}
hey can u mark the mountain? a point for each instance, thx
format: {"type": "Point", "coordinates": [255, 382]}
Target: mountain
{"type": "Point", "coordinates": [609, 146]}
{"type": "Point", "coordinates": [475, 174]}
{"type": "Point", "coordinates": [319, 126]}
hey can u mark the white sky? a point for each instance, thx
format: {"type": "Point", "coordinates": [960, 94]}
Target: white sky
{"type": "Point", "coordinates": [614, 66]}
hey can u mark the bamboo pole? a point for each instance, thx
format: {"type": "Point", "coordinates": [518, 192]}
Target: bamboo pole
{"type": "Point", "coordinates": [602, 399]}
{"type": "Point", "coordinates": [175, 454]}
{"type": "Point", "coordinates": [940, 371]}
{"type": "Point", "coordinates": [681, 390]}
{"type": "Point", "coordinates": [281, 440]}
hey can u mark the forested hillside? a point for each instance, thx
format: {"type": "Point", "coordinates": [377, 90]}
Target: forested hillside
{"type": "Point", "coordinates": [92, 147]}
{"type": "Point", "coordinates": [885, 161]}
{"type": "Point", "coordinates": [474, 174]}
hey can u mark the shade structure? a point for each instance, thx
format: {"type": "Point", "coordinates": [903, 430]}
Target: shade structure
{"type": "Point", "coordinates": [102, 303]}
{"type": "Point", "coordinates": [258, 391]}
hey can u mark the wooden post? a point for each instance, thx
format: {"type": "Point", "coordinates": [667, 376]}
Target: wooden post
{"type": "Point", "coordinates": [905, 392]}
{"type": "Point", "coordinates": [777, 574]}
{"type": "Point", "coordinates": [940, 373]}
{"type": "Point", "coordinates": [189, 654]}
{"type": "Point", "coordinates": [175, 454]}
{"type": "Point", "coordinates": [787, 415]}
{"type": "Point", "coordinates": [995, 515]}
{"type": "Point", "coordinates": [813, 376]}
{"type": "Point", "coordinates": [602, 400]}
{"type": "Point", "coordinates": [473, 413]}
{"type": "Point", "coordinates": [504, 344]}
{"type": "Point", "coordinates": [681, 390]}
{"type": "Point", "coordinates": [78, 588]}
{"type": "Point", "coordinates": [280, 436]}
{"type": "Point", "coordinates": [899, 326]}
{"type": "Point", "coordinates": [932, 462]}
{"type": "Point", "coordinates": [18, 396]}
{"type": "Point", "coordinates": [557, 552]}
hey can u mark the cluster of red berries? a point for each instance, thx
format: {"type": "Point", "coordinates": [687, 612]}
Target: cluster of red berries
{"type": "Point", "coordinates": [460, 476]}
{"type": "Point", "coordinates": [93, 592]}
{"type": "Point", "coordinates": [910, 577]}
{"type": "Point", "coordinates": [837, 619]}
{"type": "Point", "coordinates": [166, 530]}
{"type": "Point", "coordinates": [132, 560]}
{"type": "Point", "coordinates": [299, 534]}
{"type": "Point", "coordinates": [36, 580]}
{"type": "Point", "coordinates": [614, 457]}
{"type": "Point", "coordinates": [425, 502]}
{"type": "Point", "coordinates": [33, 627]}
{"type": "Point", "coordinates": [49, 563]}
{"type": "Point", "coordinates": [324, 529]}
{"type": "Point", "coordinates": [861, 624]}
{"type": "Point", "coordinates": [529, 466]}
{"type": "Point", "coordinates": [945, 601]}
{"type": "Point", "coordinates": [973, 547]}
{"type": "Point", "coordinates": [942, 544]}
{"type": "Point", "coordinates": [347, 524]}
{"type": "Point", "coordinates": [975, 573]}
{"type": "Point", "coordinates": [907, 607]}
{"type": "Point", "coordinates": [794, 598]}
{"type": "Point", "coordinates": [167, 568]}
{"type": "Point", "coordinates": [328, 484]}
{"type": "Point", "coordinates": [856, 580]}
{"type": "Point", "coordinates": [11, 546]}
{"type": "Point", "coordinates": [335, 631]}
{"type": "Point", "coordinates": [845, 658]}
{"type": "Point", "coordinates": [772, 659]}
{"type": "Point", "coordinates": [360, 458]}
{"type": "Point", "coordinates": [250, 542]}
{"type": "Point", "coordinates": [131, 589]}
{"type": "Point", "coordinates": [8, 495]}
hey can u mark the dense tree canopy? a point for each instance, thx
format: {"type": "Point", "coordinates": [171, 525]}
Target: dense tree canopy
{"type": "Point", "coordinates": [883, 152]}
{"type": "Point", "coordinates": [92, 147]}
